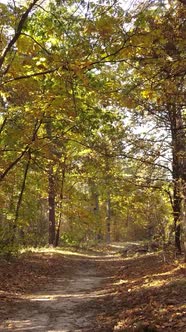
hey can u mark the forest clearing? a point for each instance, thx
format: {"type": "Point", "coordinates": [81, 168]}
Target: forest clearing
{"type": "Point", "coordinates": [56, 290]}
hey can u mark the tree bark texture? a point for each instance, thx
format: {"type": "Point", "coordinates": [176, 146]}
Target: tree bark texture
{"type": "Point", "coordinates": [51, 189]}
{"type": "Point", "coordinates": [60, 203]}
{"type": "Point", "coordinates": [179, 171]}
{"type": "Point", "coordinates": [51, 204]}
{"type": "Point", "coordinates": [108, 218]}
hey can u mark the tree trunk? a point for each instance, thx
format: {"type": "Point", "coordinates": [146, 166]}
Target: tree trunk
{"type": "Point", "coordinates": [96, 212]}
{"type": "Point", "coordinates": [184, 223]}
{"type": "Point", "coordinates": [60, 203]}
{"type": "Point", "coordinates": [108, 218]}
{"type": "Point", "coordinates": [99, 235]}
{"type": "Point", "coordinates": [51, 204]}
{"type": "Point", "coordinates": [51, 188]}
{"type": "Point", "coordinates": [108, 198]}
{"type": "Point", "coordinates": [57, 234]}
{"type": "Point", "coordinates": [177, 215]}
{"type": "Point", "coordinates": [179, 172]}
{"type": "Point", "coordinates": [14, 228]}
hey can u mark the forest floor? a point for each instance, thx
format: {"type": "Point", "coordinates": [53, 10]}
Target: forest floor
{"type": "Point", "coordinates": [55, 290]}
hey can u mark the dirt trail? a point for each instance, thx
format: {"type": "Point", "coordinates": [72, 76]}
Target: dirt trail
{"type": "Point", "coordinates": [64, 304]}
{"type": "Point", "coordinates": [58, 291]}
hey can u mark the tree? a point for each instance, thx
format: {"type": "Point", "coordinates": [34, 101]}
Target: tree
{"type": "Point", "coordinates": [156, 83]}
{"type": "Point", "coordinates": [73, 85]}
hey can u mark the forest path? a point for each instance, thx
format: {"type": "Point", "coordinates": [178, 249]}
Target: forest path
{"type": "Point", "coordinates": [67, 302]}
{"type": "Point", "coordinates": [60, 291]}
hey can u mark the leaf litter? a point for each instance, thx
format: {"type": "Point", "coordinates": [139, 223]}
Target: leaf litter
{"type": "Point", "coordinates": [92, 292]}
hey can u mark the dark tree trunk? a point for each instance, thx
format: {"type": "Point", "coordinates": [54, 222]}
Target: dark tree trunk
{"type": "Point", "coordinates": [51, 204]}
{"type": "Point", "coordinates": [179, 171]}
{"type": "Point", "coordinates": [108, 197]}
{"type": "Point", "coordinates": [51, 189]}
{"type": "Point", "coordinates": [60, 203]}
{"type": "Point", "coordinates": [108, 218]}
{"type": "Point", "coordinates": [177, 215]}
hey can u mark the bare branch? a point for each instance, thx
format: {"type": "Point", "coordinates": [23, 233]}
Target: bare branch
{"type": "Point", "coordinates": [31, 75]}
{"type": "Point", "coordinates": [17, 33]}
{"type": "Point", "coordinates": [35, 41]}
{"type": "Point", "coordinates": [26, 149]}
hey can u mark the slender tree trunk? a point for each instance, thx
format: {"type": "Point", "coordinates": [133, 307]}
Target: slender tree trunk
{"type": "Point", "coordinates": [108, 218]}
{"type": "Point", "coordinates": [58, 233]}
{"type": "Point", "coordinates": [51, 204]}
{"type": "Point", "coordinates": [61, 203]}
{"type": "Point", "coordinates": [96, 212]}
{"type": "Point", "coordinates": [14, 228]}
{"type": "Point", "coordinates": [51, 189]}
{"type": "Point", "coordinates": [108, 198]}
{"type": "Point", "coordinates": [99, 235]}
{"type": "Point", "coordinates": [177, 215]}
{"type": "Point", "coordinates": [184, 221]}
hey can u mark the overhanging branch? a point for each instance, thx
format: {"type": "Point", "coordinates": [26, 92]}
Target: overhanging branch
{"type": "Point", "coordinates": [17, 33]}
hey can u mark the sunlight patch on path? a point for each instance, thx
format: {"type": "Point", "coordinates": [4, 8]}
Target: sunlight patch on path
{"type": "Point", "coordinates": [61, 307]}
